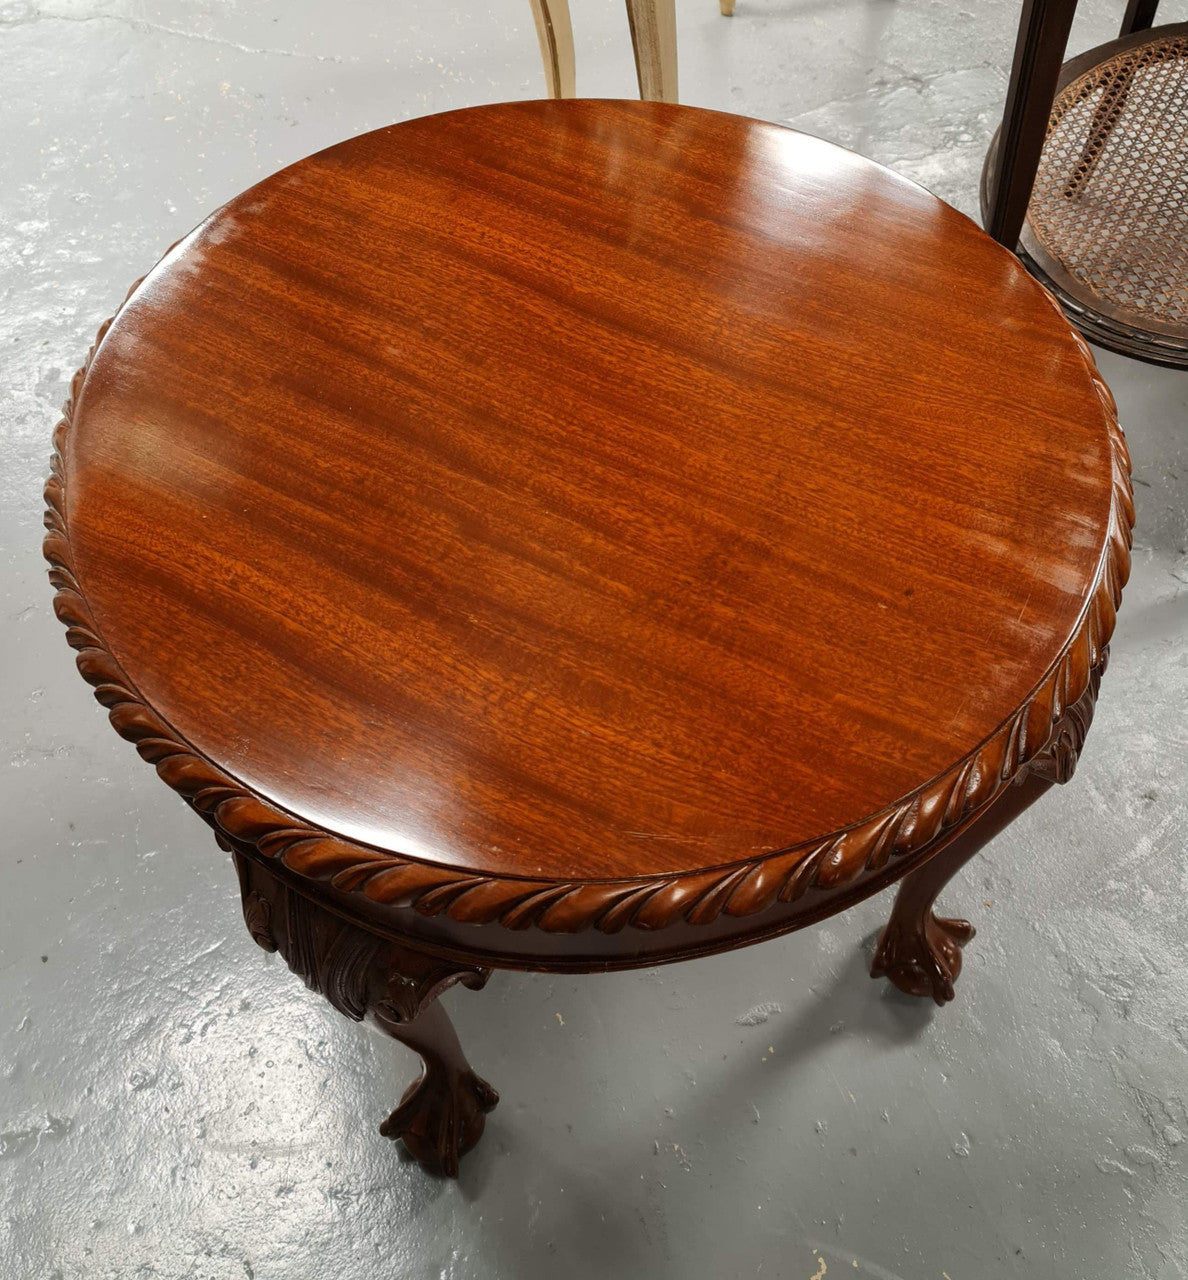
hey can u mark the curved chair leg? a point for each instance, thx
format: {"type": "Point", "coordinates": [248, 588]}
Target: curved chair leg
{"type": "Point", "coordinates": [555, 33]}
{"type": "Point", "coordinates": [918, 951]}
{"type": "Point", "coordinates": [653, 37]}
{"type": "Point", "coordinates": [441, 1115]}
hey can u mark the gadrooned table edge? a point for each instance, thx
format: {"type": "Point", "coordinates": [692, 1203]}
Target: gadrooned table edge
{"type": "Point", "coordinates": [924, 818]}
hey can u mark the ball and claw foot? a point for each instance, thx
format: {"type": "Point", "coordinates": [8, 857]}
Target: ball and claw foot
{"type": "Point", "coordinates": [441, 1116]}
{"type": "Point", "coordinates": [922, 961]}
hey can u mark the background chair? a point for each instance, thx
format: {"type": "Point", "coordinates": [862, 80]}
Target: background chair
{"type": "Point", "coordinates": [653, 38]}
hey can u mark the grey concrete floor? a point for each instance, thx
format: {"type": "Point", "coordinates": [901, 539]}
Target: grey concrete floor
{"type": "Point", "coordinates": [176, 1105]}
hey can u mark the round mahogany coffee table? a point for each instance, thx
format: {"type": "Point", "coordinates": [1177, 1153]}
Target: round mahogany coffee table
{"type": "Point", "coordinates": [576, 535]}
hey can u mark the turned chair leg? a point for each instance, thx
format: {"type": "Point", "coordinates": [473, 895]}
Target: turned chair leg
{"type": "Point", "coordinates": [653, 37]}
{"type": "Point", "coordinates": [919, 951]}
{"type": "Point", "coordinates": [554, 30]}
{"type": "Point", "coordinates": [441, 1115]}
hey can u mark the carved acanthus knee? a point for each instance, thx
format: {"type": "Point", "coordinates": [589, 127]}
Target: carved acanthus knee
{"type": "Point", "coordinates": [357, 971]}
{"type": "Point", "coordinates": [441, 1114]}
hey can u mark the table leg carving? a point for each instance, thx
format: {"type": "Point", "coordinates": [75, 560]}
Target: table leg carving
{"type": "Point", "coordinates": [919, 951]}
{"type": "Point", "coordinates": [441, 1115]}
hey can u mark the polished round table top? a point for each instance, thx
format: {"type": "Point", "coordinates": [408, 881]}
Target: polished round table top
{"type": "Point", "coordinates": [580, 491]}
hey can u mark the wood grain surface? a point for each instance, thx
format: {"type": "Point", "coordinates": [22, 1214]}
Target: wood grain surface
{"type": "Point", "coordinates": [587, 491]}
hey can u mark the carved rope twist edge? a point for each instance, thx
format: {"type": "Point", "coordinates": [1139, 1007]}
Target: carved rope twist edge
{"type": "Point", "coordinates": [742, 889]}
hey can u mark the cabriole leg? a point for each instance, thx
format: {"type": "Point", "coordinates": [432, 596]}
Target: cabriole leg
{"type": "Point", "coordinates": [441, 1115]}
{"type": "Point", "coordinates": [920, 952]}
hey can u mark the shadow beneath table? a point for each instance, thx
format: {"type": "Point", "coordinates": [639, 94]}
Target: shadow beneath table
{"type": "Point", "coordinates": [850, 1003]}
{"type": "Point", "coordinates": [605, 1208]}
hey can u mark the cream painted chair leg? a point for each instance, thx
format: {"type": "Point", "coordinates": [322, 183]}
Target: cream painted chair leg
{"type": "Point", "coordinates": [555, 33]}
{"type": "Point", "coordinates": [653, 34]}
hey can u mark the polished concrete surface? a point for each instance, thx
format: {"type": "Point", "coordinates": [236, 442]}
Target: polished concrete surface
{"type": "Point", "coordinates": [175, 1104]}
